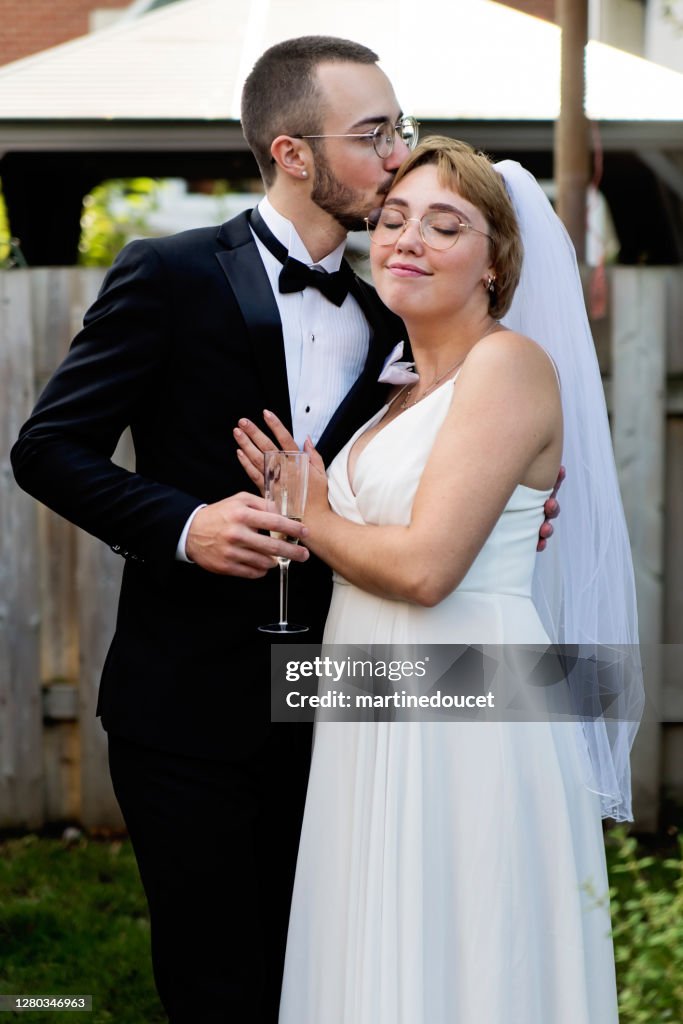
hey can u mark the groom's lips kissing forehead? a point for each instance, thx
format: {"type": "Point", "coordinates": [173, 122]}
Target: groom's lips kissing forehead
{"type": "Point", "coordinates": [385, 188]}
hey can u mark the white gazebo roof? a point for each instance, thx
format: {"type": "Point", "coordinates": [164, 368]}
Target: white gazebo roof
{"type": "Point", "coordinates": [468, 60]}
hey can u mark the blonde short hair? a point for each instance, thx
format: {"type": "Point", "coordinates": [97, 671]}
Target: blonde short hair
{"type": "Point", "coordinates": [472, 175]}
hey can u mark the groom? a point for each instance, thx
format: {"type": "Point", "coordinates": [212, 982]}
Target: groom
{"type": "Point", "coordinates": [189, 334]}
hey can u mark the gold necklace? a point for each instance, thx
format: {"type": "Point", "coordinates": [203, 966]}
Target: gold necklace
{"type": "Point", "coordinates": [405, 404]}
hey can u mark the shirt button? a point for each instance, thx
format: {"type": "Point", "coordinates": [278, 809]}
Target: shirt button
{"type": "Point", "coordinates": [308, 408]}
{"type": "Point", "coordinates": [313, 337]}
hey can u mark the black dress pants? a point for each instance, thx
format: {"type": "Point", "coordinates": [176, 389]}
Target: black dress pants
{"type": "Point", "coordinates": [216, 845]}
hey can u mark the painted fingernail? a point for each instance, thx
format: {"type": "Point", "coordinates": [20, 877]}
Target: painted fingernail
{"type": "Point", "coordinates": [267, 413]}
{"type": "Point", "coordinates": [243, 423]}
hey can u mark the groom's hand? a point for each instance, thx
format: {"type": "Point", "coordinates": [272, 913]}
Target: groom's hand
{"type": "Point", "coordinates": [225, 537]}
{"type": "Point", "coordinates": [552, 511]}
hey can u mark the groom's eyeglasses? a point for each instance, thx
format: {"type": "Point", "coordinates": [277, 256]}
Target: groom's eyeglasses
{"type": "Point", "coordinates": [438, 228]}
{"type": "Point", "coordinates": [382, 137]}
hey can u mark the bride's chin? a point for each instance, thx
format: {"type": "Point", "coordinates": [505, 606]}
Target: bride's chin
{"type": "Point", "coordinates": [399, 302]}
{"type": "Point", "coordinates": [393, 292]}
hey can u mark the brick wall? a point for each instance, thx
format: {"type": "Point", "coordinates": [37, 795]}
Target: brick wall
{"type": "Point", "coordinates": [27, 26]}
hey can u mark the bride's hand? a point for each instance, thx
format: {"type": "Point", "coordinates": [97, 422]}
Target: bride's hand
{"type": "Point", "coordinates": [253, 443]}
{"type": "Point", "coordinates": [317, 502]}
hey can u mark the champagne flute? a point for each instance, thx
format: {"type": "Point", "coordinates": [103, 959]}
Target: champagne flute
{"type": "Point", "coordinates": [285, 485]}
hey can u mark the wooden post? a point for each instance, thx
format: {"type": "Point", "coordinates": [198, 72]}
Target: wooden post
{"type": "Point", "coordinates": [21, 749]}
{"type": "Point", "coordinates": [51, 316]}
{"type": "Point", "coordinates": [672, 696]}
{"type": "Point", "coordinates": [571, 131]}
{"type": "Point", "coordinates": [639, 417]}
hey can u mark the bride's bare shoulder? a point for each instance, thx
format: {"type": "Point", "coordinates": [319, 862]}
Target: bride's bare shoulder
{"type": "Point", "coordinates": [510, 353]}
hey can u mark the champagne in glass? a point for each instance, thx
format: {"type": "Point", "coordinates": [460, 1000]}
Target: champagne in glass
{"type": "Point", "coordinates": [286, 536]}
{"type": "Point", "coordinates": [286, 482]}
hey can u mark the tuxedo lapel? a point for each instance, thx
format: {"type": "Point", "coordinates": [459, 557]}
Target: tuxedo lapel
{"type": "Point", "coordinates": [367, 395]}
{"type": "Point", "coordinates": [242, 265]}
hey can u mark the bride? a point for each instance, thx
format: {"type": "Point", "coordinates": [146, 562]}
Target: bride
{"type": "Point", "coordinates": [454, 873]}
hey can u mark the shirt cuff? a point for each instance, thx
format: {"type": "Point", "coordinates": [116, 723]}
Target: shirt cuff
{"type": "Point", "coordinates": [180, 553]}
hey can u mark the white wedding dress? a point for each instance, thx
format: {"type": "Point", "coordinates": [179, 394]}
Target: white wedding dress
{"type": "Point", "coordinates": [448, 873]}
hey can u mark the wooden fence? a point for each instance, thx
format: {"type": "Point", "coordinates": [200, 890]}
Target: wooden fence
{"type": "Point", "coordinates": [58, 586]}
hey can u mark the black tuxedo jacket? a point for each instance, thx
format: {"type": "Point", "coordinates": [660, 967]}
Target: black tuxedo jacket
{"type": "Point", "coordinates": [184, 338]}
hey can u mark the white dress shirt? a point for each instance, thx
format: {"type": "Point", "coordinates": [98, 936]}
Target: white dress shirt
{"type": "Point", "coordinates": [325, 345]}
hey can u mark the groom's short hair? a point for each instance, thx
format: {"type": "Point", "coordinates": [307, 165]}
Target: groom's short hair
{"type": "Point", "coordinates": [471, 173]}
{"type": "Point", "coordinates": [281, 94]}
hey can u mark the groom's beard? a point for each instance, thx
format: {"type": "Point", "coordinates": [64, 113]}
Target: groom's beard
{"type": "Point", "coordinates": [348, 206]}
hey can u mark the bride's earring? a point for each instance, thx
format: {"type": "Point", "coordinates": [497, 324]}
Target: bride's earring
{"type": "Point", "coordinates": [490, 284]}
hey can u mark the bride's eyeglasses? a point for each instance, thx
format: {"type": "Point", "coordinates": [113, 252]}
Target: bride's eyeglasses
{"type": "Point", "coordinates": [382, 137]}
{"type": "Point", "coordinates": [438, 228]}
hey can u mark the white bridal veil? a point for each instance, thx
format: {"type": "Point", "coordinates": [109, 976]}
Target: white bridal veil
{"type": "Point", "coordinates": [584, 585]}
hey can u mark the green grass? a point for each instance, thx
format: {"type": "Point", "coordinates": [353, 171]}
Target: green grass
{"type": "Point", "coordinates": [73, 921]}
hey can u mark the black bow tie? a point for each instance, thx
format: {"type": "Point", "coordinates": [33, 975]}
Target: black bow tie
{"type": "Point", "coordinates": [295, 276]}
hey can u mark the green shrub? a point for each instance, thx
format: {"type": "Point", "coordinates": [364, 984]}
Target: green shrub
{"type": "Point", "coordinates": [10, 249]}
{"type": "Point", "coordinates": [112, 213]}
{"type": "Point", "coordinates": [647, 926]}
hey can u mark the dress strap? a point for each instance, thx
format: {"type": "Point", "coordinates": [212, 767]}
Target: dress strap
{"type": "Point", "coordinates": [552, 362]}
{"type": "Point", "coordinates": [554, 366]}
